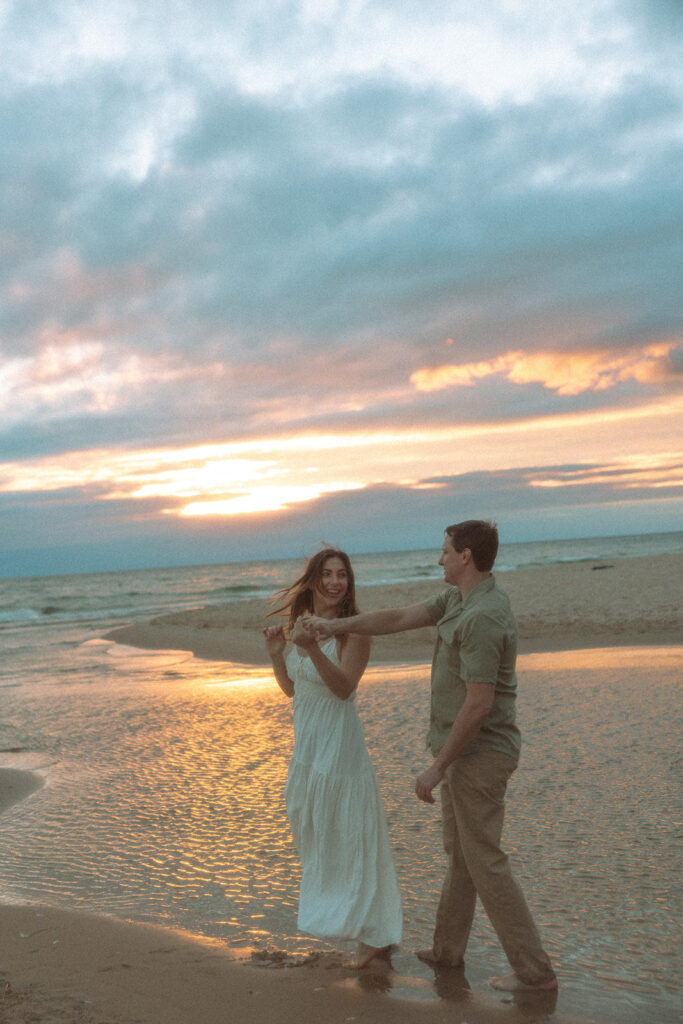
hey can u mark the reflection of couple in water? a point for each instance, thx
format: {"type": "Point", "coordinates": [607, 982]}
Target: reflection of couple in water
{"type": "Point", "coordinates": [349, 889]}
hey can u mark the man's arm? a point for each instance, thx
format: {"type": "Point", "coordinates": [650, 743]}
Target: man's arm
{"type": "Point", "coordinates": [478, 703]}
{"type": "Point", "coordinates": [390, 620]}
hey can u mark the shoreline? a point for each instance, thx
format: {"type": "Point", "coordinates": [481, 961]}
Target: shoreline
{"type": "Point", "coordinates": [66, 966]}
{"type": "Point", "coordinates": [63, 965]}
{"type": "Point", "coordinates": [565, 606]}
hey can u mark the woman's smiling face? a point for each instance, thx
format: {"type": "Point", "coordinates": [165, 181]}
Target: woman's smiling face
{"type": "Point", "coordinates": [331, 587]}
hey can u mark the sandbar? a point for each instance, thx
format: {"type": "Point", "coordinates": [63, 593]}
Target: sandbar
{"type": "Point", "coordinates": [572, 605]}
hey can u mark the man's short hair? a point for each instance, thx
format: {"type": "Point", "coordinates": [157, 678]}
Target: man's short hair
{"type": "Point", "coordinates": [480, 536]}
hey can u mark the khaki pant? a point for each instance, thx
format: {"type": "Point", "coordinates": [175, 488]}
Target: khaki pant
{"type": "Point", "coordinates": [472, 798]}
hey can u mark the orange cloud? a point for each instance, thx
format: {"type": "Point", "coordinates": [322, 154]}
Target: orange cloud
{"type": "Point", "coordinates": [567, 373]}
{"type": "Point", "coordinates": [270, 473]}
{"type": "Point", "coordinates": [453, 376]}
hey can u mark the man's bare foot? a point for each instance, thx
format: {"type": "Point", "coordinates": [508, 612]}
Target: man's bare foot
{"type": "Point", "coordinates": [511, 983]}
{"type": "Point", "coordinates": [428, 956]}
{"type": "Point", "coordinates": [366, 954]}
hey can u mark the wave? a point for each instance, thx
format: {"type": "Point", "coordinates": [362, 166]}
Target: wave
{"type": "Point", "coordinates": [52, 613]}
{"type": "Point", "coordinates": [142, 594]}
{"type": "Point", "coordinates": [238, 590]}
{"type": "Point", "coordinates": [20, 615]}
{"type": "Point", "coordinates": [543, 563]}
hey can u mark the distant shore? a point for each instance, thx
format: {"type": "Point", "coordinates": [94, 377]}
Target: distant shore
{"type": "Point", "coordinates": [629, 601]}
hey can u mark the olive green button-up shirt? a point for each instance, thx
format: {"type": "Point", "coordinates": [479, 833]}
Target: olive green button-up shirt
{"type": "Point", "coordinates": [476, 643]}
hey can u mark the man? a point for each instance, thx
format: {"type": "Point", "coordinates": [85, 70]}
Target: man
{"type": "Point", "coordinates": [475, 743]}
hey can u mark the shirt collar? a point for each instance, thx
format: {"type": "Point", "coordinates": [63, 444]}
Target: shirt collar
{"type": "Point", "coordinates": [478, 592]}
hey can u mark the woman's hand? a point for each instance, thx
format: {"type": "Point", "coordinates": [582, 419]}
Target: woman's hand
{"type": "Point", "coordinates": [275, 640]}
{"type": "Point", "coordinates": [320, 628]}
{"type": "Point", "coordinates": [302, 635]}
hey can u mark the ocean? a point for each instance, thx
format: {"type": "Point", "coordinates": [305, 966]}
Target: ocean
{"type": "Point", "coordinates": [164, 776]}
{"type": "Point", "coordinates": [107, 599]}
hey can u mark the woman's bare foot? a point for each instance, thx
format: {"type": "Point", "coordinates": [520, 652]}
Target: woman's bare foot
{"type": "Point", "coordinates": [366, 954]}
{"type": "Point", "coordinates": [511, 983]}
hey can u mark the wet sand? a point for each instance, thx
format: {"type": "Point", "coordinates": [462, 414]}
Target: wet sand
{"type": "Point", "coordinates": [16, 785]}
{"type": "Point", "coordinates": [65, 967]}
{"type": "Point", "coordinates": [59, 967]}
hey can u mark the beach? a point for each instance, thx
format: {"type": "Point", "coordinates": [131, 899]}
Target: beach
{"type": "Point", "coordinates": [64, 967]}
{"type": "Point", "coordinates": [559, 607]}
{"type": "Point", "coordinates": [68, 968]}
{"type": "Point", "coordinates": [62, 964]}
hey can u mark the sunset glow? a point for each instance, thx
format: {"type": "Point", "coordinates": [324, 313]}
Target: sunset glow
{"type": "Point", "coordinates": [263, 499]}
{"type": "Point", "coordinates": [220, 480]}
{"type": "Point", "coordinates": [623, 475]}
{"type": "Point", "coordinates": [390, 268]}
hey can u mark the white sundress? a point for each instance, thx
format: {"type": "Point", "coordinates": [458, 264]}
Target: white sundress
{"type": "Point", "coordinates": [349, 889]}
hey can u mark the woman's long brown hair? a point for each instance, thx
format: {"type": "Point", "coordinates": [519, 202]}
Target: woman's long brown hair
{"type": "Point", "coordinates": [298, 598]}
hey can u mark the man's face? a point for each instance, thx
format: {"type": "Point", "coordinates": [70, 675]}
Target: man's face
{"type": "Point", "coordinates": [452, 562]}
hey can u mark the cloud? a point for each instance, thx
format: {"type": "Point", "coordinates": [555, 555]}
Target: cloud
{"type": "Point", "coordinates": [662, 474]}
{"type": "Point", "coordinates": [601, 498]}
{"type": "Point", "coordinates": [597, 481]}
{"type": "Point", "coordinates": [72, 376]}
{"type": "Point", "coordinates": [242, 477]}
{"type": "Point", "coordinates": [567, 373]}
{"type": "Point", "coordinates": [386, 206]}
{"type": "Point", "coordinates": [227, 223]}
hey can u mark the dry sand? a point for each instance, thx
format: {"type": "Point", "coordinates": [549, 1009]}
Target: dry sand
{"type": "Point", "coordinates": [573, 605]}
{"type": "Point", "coordinates": [60, 967]}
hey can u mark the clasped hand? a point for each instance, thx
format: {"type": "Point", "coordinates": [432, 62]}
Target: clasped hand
{"type": "Point", "coordinates": [307, 631]}
{"type": "Point", "coordinates": [304, 632]}
{"type": "Point", "coordinates": [317, 625]}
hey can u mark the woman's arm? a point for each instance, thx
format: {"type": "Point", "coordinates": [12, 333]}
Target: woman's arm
{"type": "Point", "coordinates": [341, 679]}
{"type": "Point", "coordinates": [275, 645]}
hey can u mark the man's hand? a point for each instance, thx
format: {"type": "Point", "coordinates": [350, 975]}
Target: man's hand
{"type": "Point", "coordinates": [426, 782]}
{"type": "Point", "coordinates": [320, 628]}
{"type": "Point", "coordinates": [303, 634]}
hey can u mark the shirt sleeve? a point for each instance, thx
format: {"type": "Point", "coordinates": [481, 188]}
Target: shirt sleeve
{"type": "Point", "coordinates": [481, 646]}
{"type": "Point", "coordinates": [436, 606]}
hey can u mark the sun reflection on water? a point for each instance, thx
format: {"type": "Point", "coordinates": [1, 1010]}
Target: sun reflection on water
{"type": "Point", "coordinates": [165, 803]}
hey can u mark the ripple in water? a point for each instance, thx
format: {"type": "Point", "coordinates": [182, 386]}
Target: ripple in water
{"type": "Point", "coordinates": [165, 803]}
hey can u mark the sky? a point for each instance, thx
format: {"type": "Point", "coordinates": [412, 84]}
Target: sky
{"type": "Point", "coordinates": [276, 273]}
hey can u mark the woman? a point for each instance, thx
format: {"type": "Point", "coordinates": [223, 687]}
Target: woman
{"type": "Point", "coordinates": [348, 885]}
